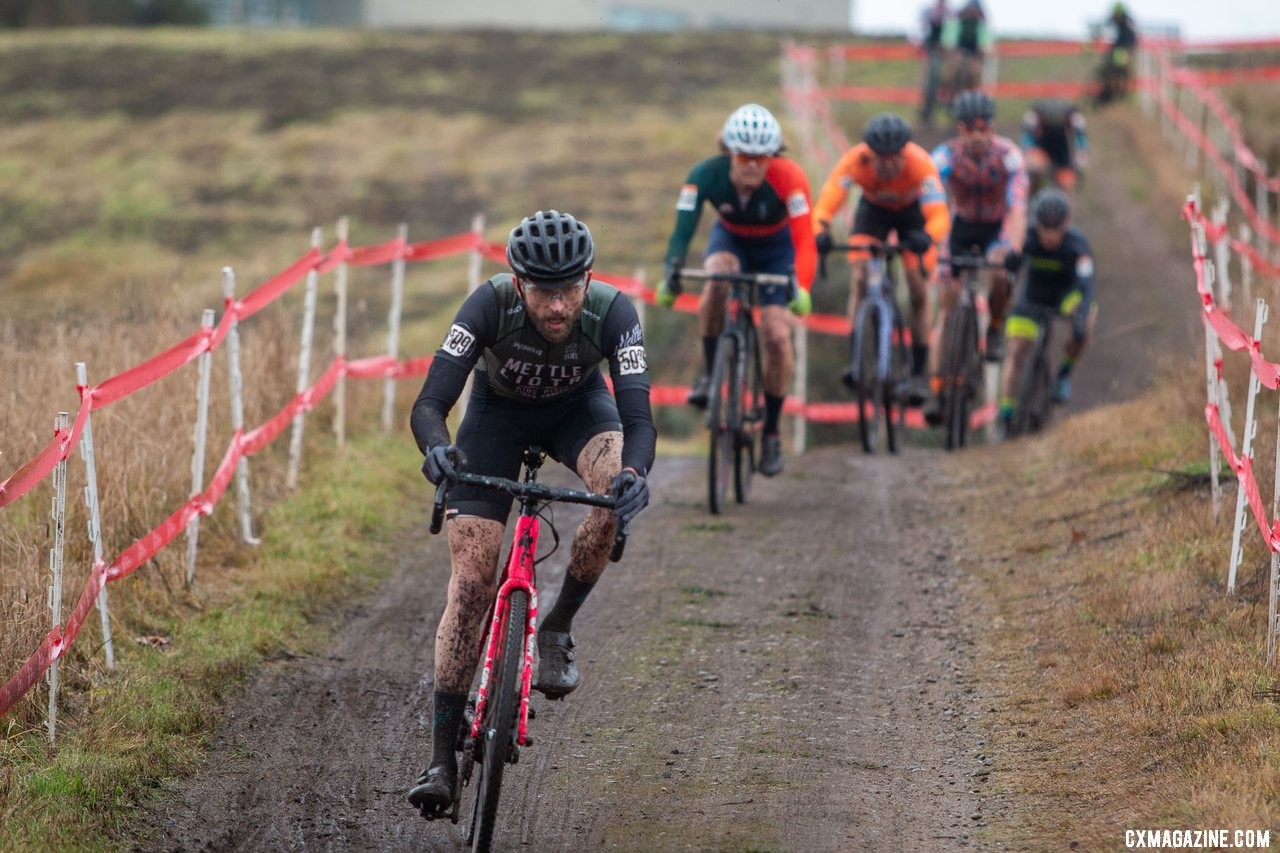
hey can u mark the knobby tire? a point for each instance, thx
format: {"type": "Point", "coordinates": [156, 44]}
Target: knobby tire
{"type": "Point", "coordinates": [720, 420]}
{"type": "Point", "coordinates": [746, 450]}
{"type": "Point", "coordinates": [867, 384]}
{"type": "Point", "coordinates": [962, 362]}
{"type": "Point", "coordinates": [500, 721]}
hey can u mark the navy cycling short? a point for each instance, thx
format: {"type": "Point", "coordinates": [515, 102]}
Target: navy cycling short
{"type": "Point", "coordinates": [496, 430]}
{"type": "Point", "coordinates": [774, 253]}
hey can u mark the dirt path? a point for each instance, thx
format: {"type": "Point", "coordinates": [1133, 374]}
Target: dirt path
{"type": "Point", "coordinates": [745, 684]}
{"type": "Point", "coordinates": [792, 675]}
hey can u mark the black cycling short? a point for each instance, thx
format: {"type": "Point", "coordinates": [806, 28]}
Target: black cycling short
{"type": "Point", "coordinates": [965, 235]}
{"type": "Point", "coordinates": [872, 221]}
{"type": "Point", "coordinates": [496, 430]}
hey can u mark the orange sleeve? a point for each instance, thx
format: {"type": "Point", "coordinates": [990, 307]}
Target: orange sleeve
{"type": "Point", "coordinates": [792, 186]}
{"type": "Point", "coordinates": [836, 188]}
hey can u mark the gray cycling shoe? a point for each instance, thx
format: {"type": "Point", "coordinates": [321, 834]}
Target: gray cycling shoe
{"type": "Point", "coordinates": [557, 673]}
{"type": "Point", "coordinates": [700, 392]}
{"type": "Point", "coordinates": [771, 456]}
{"type": "Point", "coordinates": [435, 790]}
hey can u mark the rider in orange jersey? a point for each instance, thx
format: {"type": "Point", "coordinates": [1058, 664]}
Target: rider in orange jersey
{"type": "Point", "coordinates": [902, 193]}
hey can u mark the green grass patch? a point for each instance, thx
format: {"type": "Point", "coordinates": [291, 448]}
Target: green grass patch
{"type": "Point", "coordinates": [150, 720]}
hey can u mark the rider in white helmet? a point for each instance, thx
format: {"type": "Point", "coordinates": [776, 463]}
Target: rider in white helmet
{"type": "Point", "coordinates": [763, 225]}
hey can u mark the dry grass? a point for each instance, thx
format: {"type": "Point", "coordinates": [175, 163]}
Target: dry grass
{"type": "Point", "coordinates": [136, 165]}
{"type": "Point", "coordinates": [1130, 690]}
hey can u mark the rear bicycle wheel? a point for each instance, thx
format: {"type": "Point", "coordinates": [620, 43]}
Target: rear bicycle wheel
{"type": "Point", "coordinates": [719, 425]}
{"type": "Point", "coordinates": [497, 731]}
{"type": "Point", "coordinates": [746, 450]}
{"type": "Point", "coordinates": [867, 387]}
{"type": "Point", "coordinates": [962, 368]}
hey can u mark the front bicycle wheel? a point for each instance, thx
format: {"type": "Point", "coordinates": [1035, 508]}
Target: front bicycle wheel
{"type": "Point", "coordinates": [720, 419]}
{"type": "Point", "coordinates": [895, 389]}
{"type": "Point", "coordinates": [1041, 403]}
{"type": "Point", "coordinates": [751, 405]}
{"type": "Point", "coordinates": [1032, 413]}
{"type": "Point", "coordinates": [867, 387]}
{"type": "Point", "coordinates": [960, 363]}
{"type": "Point", "coordinates": [498, 730]}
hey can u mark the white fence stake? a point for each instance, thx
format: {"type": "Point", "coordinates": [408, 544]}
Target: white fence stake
{"type": "Point", "coordinates": [237, 408]}
{"type": "Point", "coordinates": [393, 326]}
{"type": "Point", "coordinates": [200, 438]}
{"type": "Point", "coordinates": [1209, 350]}
{"type": "Point", "coordinates": [1273, 601]}
{"type": "Point", "coordinates": [340, 340]}
{"type": "Point", "coordinates": [800, 384]}
{"type": "Point", "coordinates": [1246, 452]}
{"type": "Point", "coordinates": [1222, 254]}
{"type": "Point", "coordinates": [1246, 264]}
{"type": "Point", "coordinates": [474, 268]}
{"type": "Point", "coordinates": [1263, 204]}
{"type": "Point", "coordinates": [304, 365]}
{"type": "Point", "coordinates": [95, 516]}
{"type": "Point", "coordinates": [59, 516]}
{"type": "Point", "coordinates": [1146, 71]}
{"type": "Point", "coordinates": [475, 271]}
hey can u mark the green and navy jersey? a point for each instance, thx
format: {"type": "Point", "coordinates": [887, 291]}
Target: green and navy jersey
{"type": "Point", "coordinates": [493, 334]}
{"type": "Point", "coordinates": [781, 201]}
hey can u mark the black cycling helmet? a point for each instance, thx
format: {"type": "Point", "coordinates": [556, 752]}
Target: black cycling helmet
{"type": "Point", "coordinates": [973, 105]}
{"type": "Point", "coordinates": [1051, 208]}
{"type": "Point", "coordinates": [550, 246]}
{"type": "Point", "coordinates": [887, 133]}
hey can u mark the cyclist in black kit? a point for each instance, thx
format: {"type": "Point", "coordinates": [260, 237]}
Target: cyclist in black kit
{"type": "Point", "coordinates": [535, 340]}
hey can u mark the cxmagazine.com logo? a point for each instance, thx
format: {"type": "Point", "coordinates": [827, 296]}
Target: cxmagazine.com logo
{"type": "Point", "coordinates": [1197, 839]}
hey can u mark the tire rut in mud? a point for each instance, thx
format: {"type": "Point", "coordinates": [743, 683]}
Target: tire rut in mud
{"type": "Point", "coordinates": [791, 674]}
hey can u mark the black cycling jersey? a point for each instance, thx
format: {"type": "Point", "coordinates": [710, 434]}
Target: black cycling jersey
{"type": "Point", "coordinates": [1051, 275]}
{"type": "Point", "coordinates": [492, 334]}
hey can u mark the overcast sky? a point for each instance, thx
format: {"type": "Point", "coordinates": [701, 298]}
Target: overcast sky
{"type": "Point", "coordinates": [1198, 19]}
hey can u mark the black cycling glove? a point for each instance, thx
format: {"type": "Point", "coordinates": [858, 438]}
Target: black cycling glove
{"type": "Point", "coordinates": [823, 242]}
{"type": "Point", "coordinates": [443, 462]}
{"type": "Point", "coordinates": [917, 242]}
{"type": "Point", "coordinates": [632, 491]}
{"type": "Point", "coordinates": [1013, 261]}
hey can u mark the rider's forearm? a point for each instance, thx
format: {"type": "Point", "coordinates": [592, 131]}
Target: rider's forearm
{"type": "Point", "coordinates": [440, 391]}
{"type": "Point", "coordinates": [639, 435]}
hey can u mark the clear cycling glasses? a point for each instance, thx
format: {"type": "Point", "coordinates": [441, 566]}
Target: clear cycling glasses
{"type": "Point", "coordinates": [569, 294]}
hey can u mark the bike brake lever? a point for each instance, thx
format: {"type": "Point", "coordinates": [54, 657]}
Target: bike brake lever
{"type": "Point", "coordinates": [437, 511]}
{"type": "Point", "coordinates": [619, 542]}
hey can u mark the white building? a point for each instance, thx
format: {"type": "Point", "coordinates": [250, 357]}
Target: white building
{"type": "Point", "coordinates": [565, 15]}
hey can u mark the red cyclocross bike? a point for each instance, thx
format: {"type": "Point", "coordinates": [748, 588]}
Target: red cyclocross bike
{"type": "Point", "coordinates": [499, 717]}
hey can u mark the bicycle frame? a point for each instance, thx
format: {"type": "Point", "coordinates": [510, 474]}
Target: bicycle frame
{"type": "Point", "coordinates": [519, 573]}
{"type": "Point", "coordinates": [879, 295]}
{"type": "Point", "coordinates": [735, 400]}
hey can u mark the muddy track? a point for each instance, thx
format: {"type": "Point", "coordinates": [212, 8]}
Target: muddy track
{"type": "Point", "coordinates": [794, 674]}
{"type": "Point", "coordinates": [775, 680]}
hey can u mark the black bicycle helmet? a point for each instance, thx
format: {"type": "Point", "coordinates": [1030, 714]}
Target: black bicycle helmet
{"type": "Point", "coordinates": [887, 133]}
{"type": "Point", "coordinates": [550, 246]}
{"type": "Point", "coordinates": [973, 105]}
{"type": "Point", "coordinates": [1051, 208]}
